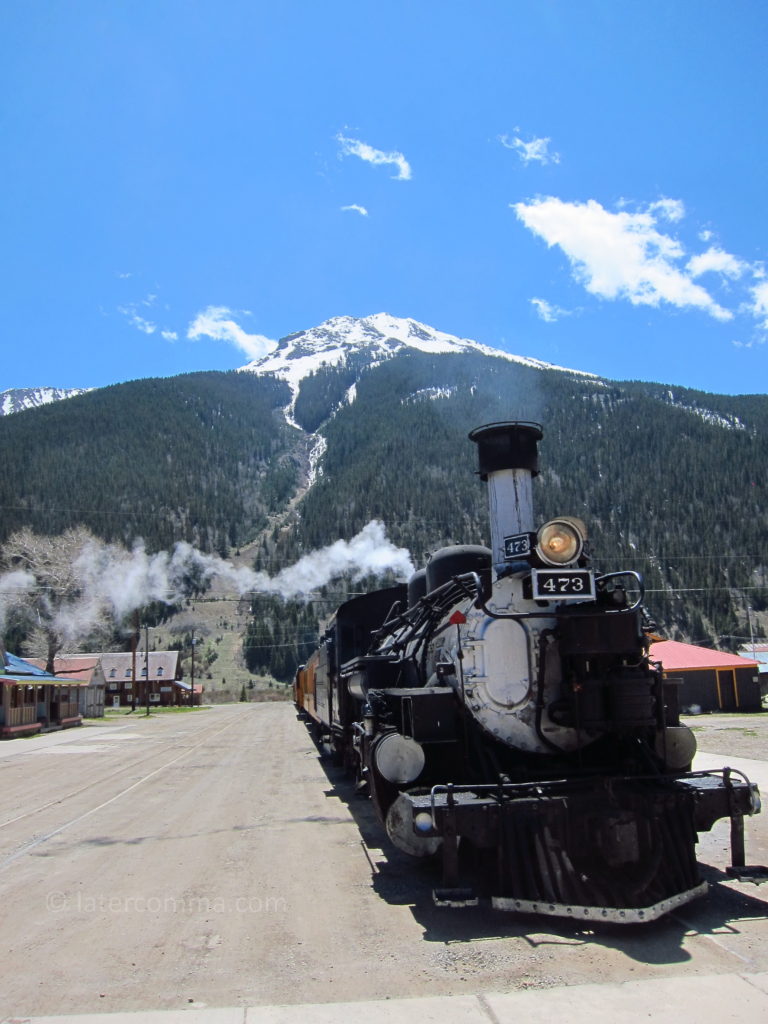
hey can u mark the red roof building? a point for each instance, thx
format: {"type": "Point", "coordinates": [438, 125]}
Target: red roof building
{"type": "Point", "coordinates": [710, 680]}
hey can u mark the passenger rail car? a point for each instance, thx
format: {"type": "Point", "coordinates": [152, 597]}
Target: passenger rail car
{"type": "Point", "coordinates": [503, 712]}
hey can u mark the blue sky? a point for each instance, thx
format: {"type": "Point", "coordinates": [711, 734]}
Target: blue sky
{"type": "Point", "coordinates": [582, 182]}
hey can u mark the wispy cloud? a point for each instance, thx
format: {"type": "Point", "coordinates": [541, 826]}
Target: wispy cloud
{"type": "Point", "coordinates": [717, 261]}
{"type": "Point", "coordinates": [548, 311]}
{"type": "Point", "coordinates": [137, 321]}
{"type": "Point", "coordinates": [533, 151]}
{"type": "Point", "coordinates": [620, 255]}
{"type": "Point", "coordinates": [354, 147]}
{"type": "Point", "coordinates": [758, 305]}
{"type": "Point", "coordinates": [134, 314]}
{"type": "Point", "coordinates": [670, 209]}
{"type": "Point", "coordinates": [355, 208]}
{"type": "Point", "coordinates": [216, 322]}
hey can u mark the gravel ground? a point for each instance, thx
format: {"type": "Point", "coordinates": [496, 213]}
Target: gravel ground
{"type": "Point", "coordinates": [211, 859]}
{"type": "Point", "coordinates": [734, 735]}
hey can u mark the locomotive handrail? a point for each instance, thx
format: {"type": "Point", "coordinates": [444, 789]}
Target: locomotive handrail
{"type": "Point", "coordinates": [625, 572]}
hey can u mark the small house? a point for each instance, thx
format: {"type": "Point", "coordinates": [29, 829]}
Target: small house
{"type": "Point", "coordinates": [84, 669]}
{"type": "Point", "coordinates": [33, 701]}
{"type": "Point", "coordinates": [758, 653]}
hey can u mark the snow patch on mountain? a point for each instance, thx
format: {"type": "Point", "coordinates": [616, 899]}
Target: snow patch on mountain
{"type": "Point", "coordinates": [17, 399]}
{"type": "Point", "coordinates": [315, 455]}
{"type": "Point", "coordinates": [729, 421]}
{"type": "Point", "coordinates": [430, 393]}
{"type": "Point", "coordinates": [715, 419]}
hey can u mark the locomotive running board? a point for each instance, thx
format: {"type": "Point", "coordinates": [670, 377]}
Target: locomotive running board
{"type": "Point", "coordinates": [623, 915]}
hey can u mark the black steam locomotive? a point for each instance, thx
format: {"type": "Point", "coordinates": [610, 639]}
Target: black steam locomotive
{"type": "Point", "coordinates": [503, 712]}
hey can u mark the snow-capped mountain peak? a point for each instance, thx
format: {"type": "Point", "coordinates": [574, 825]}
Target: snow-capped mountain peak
{"type": "Point", "coordinates": [380, 335]}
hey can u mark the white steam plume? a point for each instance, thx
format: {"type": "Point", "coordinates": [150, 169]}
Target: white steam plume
{"type": "Point", "coordinates": [13, 585]}
{"type": "Point", "coordinates": [121, 581]}
{"type": "Point", "coordinates": [110, 582]}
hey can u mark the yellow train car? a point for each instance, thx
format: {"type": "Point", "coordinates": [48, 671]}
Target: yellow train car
{"type": "Point", "coordinates": [304, 687]}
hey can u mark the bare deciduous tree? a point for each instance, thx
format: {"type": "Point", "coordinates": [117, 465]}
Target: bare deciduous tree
{"type": "Point", "coordinates": [55, 608]}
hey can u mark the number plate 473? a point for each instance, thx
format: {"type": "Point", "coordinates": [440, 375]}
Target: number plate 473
{"type": "Point", "coordinates": [562, 585]}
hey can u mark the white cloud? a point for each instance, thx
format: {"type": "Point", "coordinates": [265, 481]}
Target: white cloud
{"type": "Point", "coordinates": [139, 322]}
{"type": "Point", "coordinates": [548, 312]}
{"type": "Point", "coordinates": [619, 255]}
{"type": "Point", "coordinates": [759, 304]}
{"type": "Point", "coordinates": [749, 344]}
{"type": "Point", "coordinates": [169, 335]}
{"type": "Point", "coordinates": [143, 325]}
{"type": "Point", "coordinates": [356, 209]}
{"type": "Point", "coordinates": [216, 322]}
{"type": "Point", "coordinates": [671, 209]}
{"type": "Point", "coordinates": [535, 151]}
{"type": "Point", "coordinates": [716, 260]}
{"type": "Point", "coordinates": [353, 147]}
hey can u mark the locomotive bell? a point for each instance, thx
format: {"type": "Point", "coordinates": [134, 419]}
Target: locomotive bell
{"type": "Point", "coordinates": [508, 460]}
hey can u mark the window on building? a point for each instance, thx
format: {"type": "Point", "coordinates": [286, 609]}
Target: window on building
{"type": "Point", "coordinates": [160, 670]}
{"type": "Point", "coordinates": [112, 673]}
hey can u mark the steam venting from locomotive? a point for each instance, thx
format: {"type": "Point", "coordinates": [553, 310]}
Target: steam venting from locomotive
{"type": "Point", "coordinates": [504, 703]}
{"type": "Point", "coordinates": [114, 581]}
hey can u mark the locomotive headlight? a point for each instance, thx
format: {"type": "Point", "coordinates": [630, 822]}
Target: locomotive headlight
{"type": "Point", "coordinates": [561, 541]}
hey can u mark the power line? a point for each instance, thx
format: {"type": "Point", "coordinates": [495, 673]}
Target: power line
{"type": "Point", "coordinates": [699, 590]}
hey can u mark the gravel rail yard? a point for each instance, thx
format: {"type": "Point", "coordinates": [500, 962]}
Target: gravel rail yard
{"type": "Point", "coordinates": [214, 859]}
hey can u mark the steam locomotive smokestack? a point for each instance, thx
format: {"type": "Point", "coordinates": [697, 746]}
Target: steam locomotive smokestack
{"type": "Point", "coordinates": [509, 460]}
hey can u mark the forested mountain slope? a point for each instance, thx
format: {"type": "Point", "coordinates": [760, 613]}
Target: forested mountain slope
{"type": "Point", "coordinates": [670, 482]}
{"type": "Point", "coordinates": [201, 457]}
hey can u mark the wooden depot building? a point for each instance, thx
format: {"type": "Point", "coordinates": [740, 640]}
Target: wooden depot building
{"type": "Point", "coordinates": [710, 680]}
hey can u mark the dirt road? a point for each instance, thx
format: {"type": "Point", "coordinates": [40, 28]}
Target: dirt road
{"type": "Point", "coordinates": [210, 858]}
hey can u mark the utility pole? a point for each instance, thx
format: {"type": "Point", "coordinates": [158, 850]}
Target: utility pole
{"type": "Point", "coordinates": [146, 663]}
{"type": "Point", "coordinates": [134, 643]}
{"type": "Point", "coordinates": [192, 682]}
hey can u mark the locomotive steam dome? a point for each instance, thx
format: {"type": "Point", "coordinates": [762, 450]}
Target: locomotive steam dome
{"type": "Point", "coordinates": [452, 561]}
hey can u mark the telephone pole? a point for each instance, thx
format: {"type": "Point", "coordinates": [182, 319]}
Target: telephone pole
{"type": "Point", "coordinates": [146, 663]}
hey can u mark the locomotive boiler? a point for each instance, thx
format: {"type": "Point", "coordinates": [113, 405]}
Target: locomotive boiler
{"type": "Point", "coordinates": [504, 715]}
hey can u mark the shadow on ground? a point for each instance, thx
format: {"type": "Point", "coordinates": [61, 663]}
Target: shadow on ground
{"type": "Point", "coordinates": [405, 881]}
